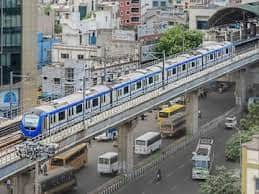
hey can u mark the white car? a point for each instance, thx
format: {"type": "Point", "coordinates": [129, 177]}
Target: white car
{"type": "Point", "coordinates": [230, 122]}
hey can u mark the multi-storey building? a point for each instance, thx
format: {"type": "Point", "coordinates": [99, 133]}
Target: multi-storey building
{"type": "Point", "coordinates": [17, 53]}
{"type": "Point", "coordinates": [250, 167]}
{"type": "Point", "coordinates": [130, 12]}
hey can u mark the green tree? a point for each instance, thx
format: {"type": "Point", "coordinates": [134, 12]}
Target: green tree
{"type": "Point", "coordinates": [250, 126]}
{"type": "Point", "coordinates": [251, 119]}
{"type": "Point", "coordinates": [58, 28]}
{"type": "Point", "coordinates": [222, 181]}
{"type": "Point", "coordinates": [177, 39]}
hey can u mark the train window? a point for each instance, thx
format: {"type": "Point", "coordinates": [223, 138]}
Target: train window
{"type": "Point", "coordinates": [219, 53]}
{"type": "Point", "coordinates": [95, 102]}
{"type": "Point", "coordinates": [103, 99]}
{"type": "Point", "coordinates": [226, 50]}
{"type": "Point", "coordinates": [126, 90]}
{"type": "Point", "coordinates": [211, 56]}
{"type": "Point", "coordinates": [132, 88]}
{"type": "Point", "coordinates": [54, 118]}
{"type": "Point", "coordinates": [184, 67]}
{"type": "Point", "coordinates": [174, 71]}
{"type": "Point", "coordinates": [138, 84]}
{"type": "Point", "coordinates": [193, 64]}
{"type": "Point", "coordinates": [150, 80]}
{"type": "Point", "coordinates": [51, 119]}
{"type": "Point", "coordinates": [156, 78]}
{"type": "Point", "coordinates": [61, 116]}
{"type": "Point", "coordinates": [79, 108]}
{"type": "Point", "coordinates": [69, 112]}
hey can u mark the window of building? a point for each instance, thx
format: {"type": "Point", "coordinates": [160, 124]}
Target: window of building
{"type": "Point", "coordinates": [135, 10]}
{"type": "Point", "coordinates": [134, 1]}
{"type": "Point", "coordinates": [128, 12]}
{"type": "Point", "coordinates": [135, 19]}
{"type": "Point", "coordinates": [80, 57]}
{"type": "Point", "coordinates": [69, 74]}
{"type": "Point", "coordinates": [127, 2]}
{"type": "Point", "coordinates": [162, 3]}
{"type": "Point", "coordinates": [155, 3]}
{"type": "Point", "coordinates": [202, 25]}
{"type": "Point", "coordinates": [64, 55]}
{"type": "Point", "coordinates": [56, 80]}
{"type": "Point", "coordinates": [67, 16]}
{"type": "Point", "coordinates": [127, 21]}
{"type": "Point", "coordinates": [256, 185]}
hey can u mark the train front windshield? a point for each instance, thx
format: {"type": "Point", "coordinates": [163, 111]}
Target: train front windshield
{"type": "Point", "coordinates": [31, 121]}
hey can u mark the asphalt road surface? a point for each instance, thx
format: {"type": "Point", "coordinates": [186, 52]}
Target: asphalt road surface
{"type": "Point", "coordinates": [214, 105]}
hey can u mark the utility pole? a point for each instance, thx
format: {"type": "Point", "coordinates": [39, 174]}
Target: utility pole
{"type": "Point", "coordinates": [37, 172]}
{"type": "Point", "coordinates": [10, 93]}
{"type": "Point", "coordinates": [163, 74]}
{"type": "Point", "coordinates": [84, 104]}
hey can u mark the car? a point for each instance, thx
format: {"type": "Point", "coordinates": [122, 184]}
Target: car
{"type": "Point", "coordinates": [230, 122]}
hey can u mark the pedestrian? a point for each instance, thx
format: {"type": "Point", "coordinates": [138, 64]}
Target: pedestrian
{"type": "Point", "coordinates": [199, 113]}
{"type": "Point", "coordinates": [158, 175]}
{"type": "Point", "coordinates": [89, 142]}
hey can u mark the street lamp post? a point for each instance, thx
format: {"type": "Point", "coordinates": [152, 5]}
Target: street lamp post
{"type": "Point", "coordinates": [240, 149]}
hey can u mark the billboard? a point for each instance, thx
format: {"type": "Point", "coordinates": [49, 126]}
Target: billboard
{"type": "Point", "coordinates": [152, 29]}
{"type": "Point", "coordinates": [126, 35]}
{"type": "Point", "coordinates": [8, 97]}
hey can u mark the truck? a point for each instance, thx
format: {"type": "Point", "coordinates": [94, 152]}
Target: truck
{"type": "Point", "coordinates": [203, 158]}
{"type": "Point", "coordinates": [109, 134]}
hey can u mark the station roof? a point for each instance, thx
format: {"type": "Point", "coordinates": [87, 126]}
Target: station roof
{"type": "Point", "coordinates": [230, 15]}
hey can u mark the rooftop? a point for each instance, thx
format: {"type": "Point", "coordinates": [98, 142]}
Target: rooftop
{"type": "Point", "coordinates": [253, 144]}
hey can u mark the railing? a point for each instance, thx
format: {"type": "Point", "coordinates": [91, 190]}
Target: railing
{"type": "Point", "coordinates": [116, 183]}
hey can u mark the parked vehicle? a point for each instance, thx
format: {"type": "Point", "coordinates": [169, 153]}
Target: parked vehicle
{"type": "Point", "coordinates": [109, 134]}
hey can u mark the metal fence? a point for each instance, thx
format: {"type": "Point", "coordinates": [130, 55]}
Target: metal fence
{"type": "Point", "coordinates": [140, 170]}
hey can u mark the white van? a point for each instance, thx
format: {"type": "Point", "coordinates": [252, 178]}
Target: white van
{"type": "Point", "coordinates": [108, 163]}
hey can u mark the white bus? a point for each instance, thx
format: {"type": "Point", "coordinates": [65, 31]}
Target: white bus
{"type": "Point", "coordinates": [148, 143]}
{"type": "Point", "coordinates": [108, 163]}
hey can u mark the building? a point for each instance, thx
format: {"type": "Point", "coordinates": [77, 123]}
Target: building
{"type": "Point", "coordinates": [250, 166]}
{"type": "Point", "coordinates": [130, 12]}
{"type": "Point", "coordinates": [44, 44]}
{"type": "Point", "coordinates": [60, 79]}
{"type": "Point", "coordinates": [199, 16]}
{"type": "Point", "coordinates": [18, 54]}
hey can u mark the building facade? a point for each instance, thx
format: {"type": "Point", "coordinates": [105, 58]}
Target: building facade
{"type": "Point", "coordinates": [130, 12]}
{"type": "Point", "coordinates": [250, 166]}
{"type": "Point", "coordinates": [18, 54]}
{"type": "Point", "coordinates": [60, 79]}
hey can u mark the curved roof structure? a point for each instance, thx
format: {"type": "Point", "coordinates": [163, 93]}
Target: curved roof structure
{"type": "Point", "coordinates": [231, 15]}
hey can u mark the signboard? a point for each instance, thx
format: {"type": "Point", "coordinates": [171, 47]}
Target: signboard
{"type": "Point", "coordinates": [126, 35]}
{"type": "Point", "coordinates": [146, 52]}
{"type": "Point", "coordinates": [152, 29]}
{"type": "Point", "coordinates": [9, 97]}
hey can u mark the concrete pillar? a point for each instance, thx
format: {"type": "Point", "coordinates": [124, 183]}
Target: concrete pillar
{"type": "Point", "coordinates": [126, 146]}
{"type": "Point", "coordinates": [19, 183]}
{"type": "Point", "coordinates": [192, 108]}
{"type": "Point", "coordinates": [240, 90]}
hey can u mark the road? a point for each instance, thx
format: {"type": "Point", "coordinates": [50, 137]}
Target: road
{"type": "Point", "coordinates": [214, 105]}
{"type": "Point", "coordinates": [176, 171]}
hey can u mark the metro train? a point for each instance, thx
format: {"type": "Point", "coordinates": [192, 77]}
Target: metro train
{"type": "Point", "coordinates": [69, 109]}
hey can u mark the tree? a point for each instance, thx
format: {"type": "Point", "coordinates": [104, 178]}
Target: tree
{"type": "Point", "coordinates": [178, 39]}
{"type": "Point", "coordinates": [251, 119]}
{"type": "Point", "coordinates": [250, 126]}
{"type": "Point", "coordinates": [222, 181]}
{"type": "Point", "coordinates": [58, 28]}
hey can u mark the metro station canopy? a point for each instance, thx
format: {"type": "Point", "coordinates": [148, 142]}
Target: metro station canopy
{"type": "Point", "coordinates": [230, 15]}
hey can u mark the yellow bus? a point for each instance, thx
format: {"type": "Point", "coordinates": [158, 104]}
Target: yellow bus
{"type": "Point", "coordinates": [171, 119]}
{"type": "Point", "coordinates": [75, 157]}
